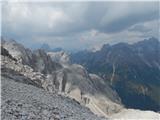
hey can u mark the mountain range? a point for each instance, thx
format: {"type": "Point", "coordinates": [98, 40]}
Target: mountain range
{"type": "Point", "coordinates": [133, 70]}
{"type": "Point", "coordinates": [46, 84]}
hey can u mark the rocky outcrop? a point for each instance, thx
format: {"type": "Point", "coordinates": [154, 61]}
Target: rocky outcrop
{"type": "Point", "coordinates": [18, 51]}
{"type": "Point", "coordinates": [43, 63]}
{"type": "Point", "coordinates": [38, 60]}
{"type": "Point", "coordinates": [61, 57]}
{"type": "Point", "coordinates": [4, 52]}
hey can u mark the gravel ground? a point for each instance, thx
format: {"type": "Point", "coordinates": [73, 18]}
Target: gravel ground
{"type": "Point", "coordinates": [27, 102]}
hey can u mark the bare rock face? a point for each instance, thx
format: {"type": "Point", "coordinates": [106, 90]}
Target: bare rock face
{"type": "Point", "coordinates": [43, 63]}
{"type": "Point", "coordinates": [18, 51]}
{"type": "Point", "coordinates": [39, 71]}
{"type": "Point", "coordinates": [60, 56]}
{"type": "Point", "coordinates": [4, 52]}
{"type": "Point", "coordinates": [38, 59]}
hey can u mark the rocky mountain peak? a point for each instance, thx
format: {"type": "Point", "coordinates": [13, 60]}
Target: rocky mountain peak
{"type": "Point", "coordinates": [45, 47]}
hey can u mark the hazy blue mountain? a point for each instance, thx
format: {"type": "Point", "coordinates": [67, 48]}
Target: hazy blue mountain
{"type": "Point", "coordinates": [47, 48]}
{"type": "Point", "coordinates": [132, 70]}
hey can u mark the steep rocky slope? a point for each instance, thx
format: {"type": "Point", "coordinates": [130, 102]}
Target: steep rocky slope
{"type": "Point", "coordinates": [132, 70]}
{"type": "Point", "coordinates": [26, 102]}
{"type": "Point", "coordinates": [22, 101]}
{"type": "Point", "coordinates": [71, 81]}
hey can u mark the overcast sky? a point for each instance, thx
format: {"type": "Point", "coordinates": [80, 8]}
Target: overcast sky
{"type": "Point", "coordinates": [79, 25]}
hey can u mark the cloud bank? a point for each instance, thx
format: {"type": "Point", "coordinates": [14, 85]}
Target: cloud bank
{"type": "Point", "coordinates": [80, 25]}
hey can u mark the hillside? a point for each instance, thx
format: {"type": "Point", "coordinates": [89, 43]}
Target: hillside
{"type": "Point", "coordinates": [36, 86]}
{"type": "Point", "coordinates": [132, 70]}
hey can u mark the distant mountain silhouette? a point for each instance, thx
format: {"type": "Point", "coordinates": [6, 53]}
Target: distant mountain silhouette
{"type": "Point", "coordinates": [47, 48]}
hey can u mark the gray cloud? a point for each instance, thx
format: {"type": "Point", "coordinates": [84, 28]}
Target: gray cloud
{"type": "Point", "coordinates": [72, 21]}
{"type": "Point", "coordinates": [127, 21]}
{"type": "Point", "coordinates": [140, 28]}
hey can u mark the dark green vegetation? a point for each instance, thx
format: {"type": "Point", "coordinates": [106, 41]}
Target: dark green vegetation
{"type": "Point", "coordinates": [132, 70]}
